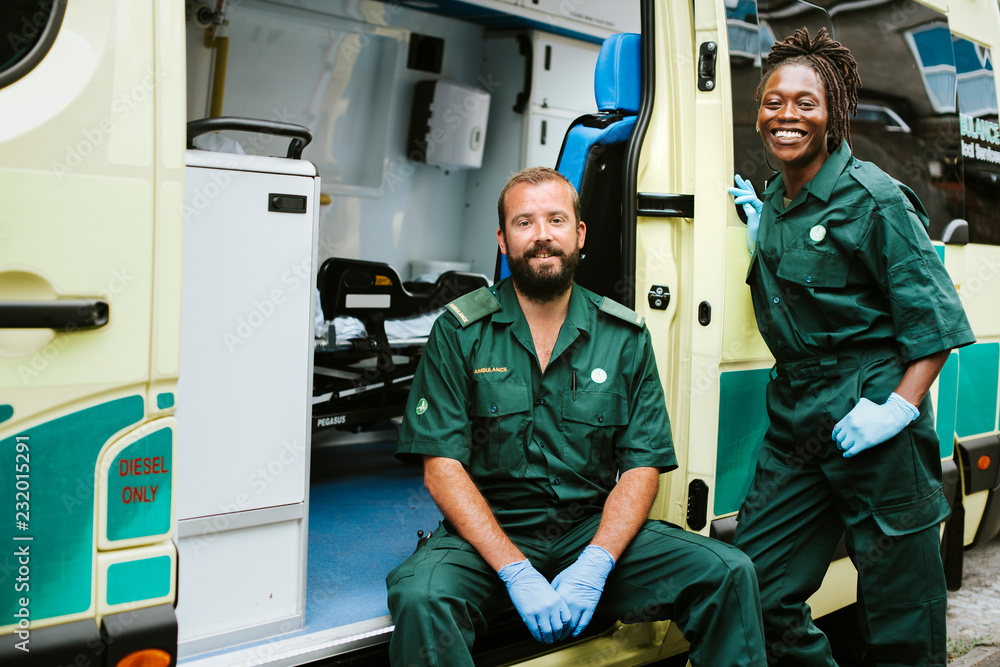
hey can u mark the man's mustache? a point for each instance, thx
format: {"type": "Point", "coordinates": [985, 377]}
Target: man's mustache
{"type": "Point", "coordinates": [537, 250]}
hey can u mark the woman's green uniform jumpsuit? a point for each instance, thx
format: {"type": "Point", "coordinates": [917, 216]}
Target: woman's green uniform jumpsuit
{"type": "Point", "coordinates": [848, 291]}
{"type": "Point", "coordinates": [544, 450]}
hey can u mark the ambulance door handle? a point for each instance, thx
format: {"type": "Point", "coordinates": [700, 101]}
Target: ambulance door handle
{"type": "Point", "coordinates": [64, 315]}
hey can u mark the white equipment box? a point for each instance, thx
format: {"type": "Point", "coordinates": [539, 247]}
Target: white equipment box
{"type": "Point", "coordinates": [243, 407]}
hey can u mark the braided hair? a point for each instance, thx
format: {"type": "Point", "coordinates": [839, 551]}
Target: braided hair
{"type": "Point", "coordinates": [836, 68]}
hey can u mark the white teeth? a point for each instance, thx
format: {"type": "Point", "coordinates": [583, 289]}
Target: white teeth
{"type": "Point", "coordinates": [789, 134]}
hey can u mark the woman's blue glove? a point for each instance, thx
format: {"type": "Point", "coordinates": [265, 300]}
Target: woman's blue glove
{"type": "Point", "coordinates": [540, 607]}
{"type": "Point", "coordinates": [869, 424]}
{"type": "Point", "coordinates": [744, 195]}
{"type": "Point", "coordinates": [581, 585]}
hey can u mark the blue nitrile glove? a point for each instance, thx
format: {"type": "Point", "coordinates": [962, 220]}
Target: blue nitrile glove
{"type": "Point", "coordinates": [869, 424]}
{"type": "Point", "coordinates": [581, 585]}
{"type": "Point", "coordinates": [744, 195]}
{"type": "Point", "coordinates": [540, 607]}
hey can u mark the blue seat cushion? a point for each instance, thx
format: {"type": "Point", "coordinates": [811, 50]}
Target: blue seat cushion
{"type": "Point", "coordinates": [617, 77]}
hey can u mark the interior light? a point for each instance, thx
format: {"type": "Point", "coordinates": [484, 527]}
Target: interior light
{"type": "Point", "coordinates": [150, 657]}
{"type": "Point", "coordinates": [984, 462]}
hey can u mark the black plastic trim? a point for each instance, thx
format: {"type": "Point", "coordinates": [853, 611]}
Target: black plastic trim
{"type": "Point", "coordinates": [724, 529]}
{"type": "Point", "coordinates": [300, 135]}
{"type": "Point", "coordinates": [663, 205]}
{"type": "Point", "coordinates": [972, 450]}
{"type": "Point", "coordinates": [952, 550]}
{"type": "Point", "coordinates": [704, 313]}
{"type": "Point", "coordinates": [525, 49]}
{"type": "Point", "coordinates": [989, 525]}
{"type": "Point", "coordinates": [282, 203]}
{"type": "Point", "coordinates": [697, 510]}
{"type": "Point", "coordinates": [631, 172]}
{"type": "Point", "coordinates": [61, 315]}
{"type": "Point", "coordinates": [75, 643]}
{"type": "Point", "coordinates": [147, 628]}
{"type": "Point", "coordinates": [40, 49]}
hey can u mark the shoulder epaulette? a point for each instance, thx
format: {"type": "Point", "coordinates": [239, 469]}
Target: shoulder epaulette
{"type": "Point", "coordinates": [913, 203]}
{"type": "Point", "coordinates": [612, 307]}
{"type": "Point", "coordinates": [474, 306]}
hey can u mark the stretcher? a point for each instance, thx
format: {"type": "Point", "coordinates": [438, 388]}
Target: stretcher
{"type": "Point", "coordinates": [374, 331]}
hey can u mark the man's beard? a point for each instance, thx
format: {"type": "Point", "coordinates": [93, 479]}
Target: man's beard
{"type": "Point", "coordinates": [546, 283]}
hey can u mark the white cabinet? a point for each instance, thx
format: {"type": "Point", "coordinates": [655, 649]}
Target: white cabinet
{"type": "Point", "coordinates": [244, 397]}
{"type": "Point", "coordinates": [545, 136]}
{"type": "Point", "coordinates": [563, 73]}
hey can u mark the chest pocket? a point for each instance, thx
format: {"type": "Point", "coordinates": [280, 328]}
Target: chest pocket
{"type": "Point", "coordinates": [500, 419]}
{"type": "Point", "coordinates": [814, 285]}
{"type": "Point", "coordinates": [814, 269]}
{"type": "Point", "coordinates": [590, 424]}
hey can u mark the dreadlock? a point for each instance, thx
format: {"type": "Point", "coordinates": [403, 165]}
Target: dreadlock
{"type": "Point", "coordinates": [836, 68]}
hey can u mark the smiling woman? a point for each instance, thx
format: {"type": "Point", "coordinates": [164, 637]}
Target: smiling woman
{"type": "Point", "coordinates": [859, 313]}
{"type": "Point", "coordinates": [793, 123]}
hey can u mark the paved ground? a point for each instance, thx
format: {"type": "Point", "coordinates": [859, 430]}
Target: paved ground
{"type": "Point", "coordinates": [974, 611]}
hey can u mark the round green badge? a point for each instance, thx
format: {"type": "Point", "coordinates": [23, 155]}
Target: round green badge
{"type": "Point", "coordinates": [421, 406]}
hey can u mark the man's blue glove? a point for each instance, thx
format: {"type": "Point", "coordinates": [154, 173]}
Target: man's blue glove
{"type": "Point", "coordinates": [744, 195]}
{"type": "Point", "coordinates": [540, 607]}
{"type": "Point", "coordinates": [869, 424]}
{"type": "Point", "coordinates": [581, 585]}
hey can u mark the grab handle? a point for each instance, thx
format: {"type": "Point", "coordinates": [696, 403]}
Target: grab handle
{"type": "Point", "coordinates": [301, 136]}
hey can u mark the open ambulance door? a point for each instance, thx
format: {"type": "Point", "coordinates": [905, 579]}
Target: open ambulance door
{"type": "Point", "coordinates": [91, 160]}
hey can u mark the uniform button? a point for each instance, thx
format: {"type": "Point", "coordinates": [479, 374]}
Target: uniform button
{"type": "Point", "coordinates": [776, 300]}
{"type": "Point", "coordinates": [556, 480]}
{"type": "Point", "coordinates": [857, 165]}
{"type": "Point", "coordinates": [809, 279]}
{"type": "Point", "coordinates": [600, 419]}
{"type": "Point", "coordinates": [540, 401]}
{"type": "Point", "coordinates": [781, 218]}
{"type": "Point", "coordinates": [493, 409]}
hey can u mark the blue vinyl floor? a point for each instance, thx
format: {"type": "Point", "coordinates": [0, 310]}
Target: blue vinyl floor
{"type": "Point", "coordinates": [365, 508]}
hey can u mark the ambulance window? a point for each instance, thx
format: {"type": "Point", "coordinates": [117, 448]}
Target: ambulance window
{"type": "Point", "coordinates": [30, 27]}
{"type": "Point", "coordinates": [980, 140]}
{"type": "Point", "coordinates": [907, 121]}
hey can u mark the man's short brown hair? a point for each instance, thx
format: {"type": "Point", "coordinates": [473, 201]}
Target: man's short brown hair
{"type": "Point", "coordinates": [535, 176]}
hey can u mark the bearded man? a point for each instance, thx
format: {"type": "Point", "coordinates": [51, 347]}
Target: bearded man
{"type": "Point", "coordinates": [541, 421]}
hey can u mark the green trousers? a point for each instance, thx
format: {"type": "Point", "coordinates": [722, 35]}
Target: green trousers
{"type": "Point", "coordinates": [805, 494]}
{"type": "Point", "coordinates": [444, 595]}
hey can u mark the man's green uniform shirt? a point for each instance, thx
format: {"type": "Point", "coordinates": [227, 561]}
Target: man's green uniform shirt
{"type": "Point", "coordinates": [541, 447]}
{"type": "Point", "coordinates": [851, 266]}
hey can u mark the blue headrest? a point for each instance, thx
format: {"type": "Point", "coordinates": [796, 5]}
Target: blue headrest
{"type": "Point", "coordinates": [617, 75]}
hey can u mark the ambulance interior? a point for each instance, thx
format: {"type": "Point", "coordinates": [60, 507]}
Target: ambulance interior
{"type": "Point", "coordinates": [406, 223]}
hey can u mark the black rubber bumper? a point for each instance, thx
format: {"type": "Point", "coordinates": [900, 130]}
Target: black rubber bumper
{"type": "Point", "coordinates": [82, 644]}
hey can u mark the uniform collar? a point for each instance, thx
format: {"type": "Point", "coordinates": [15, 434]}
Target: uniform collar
{"type": "Point", "coordinates": [580, 312]}
{"type": "Point", "coordinates": [822, 183]}
{"type": "Point", "coordinates": [825, 180]}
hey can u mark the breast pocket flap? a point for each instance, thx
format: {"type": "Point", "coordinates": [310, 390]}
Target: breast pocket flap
{"type": "Point", "coordinates": [814, 269]}
{"type": "Point", "coordinates": [596, 408]}
{"type": "Point", "coordinates": [499, 399]}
